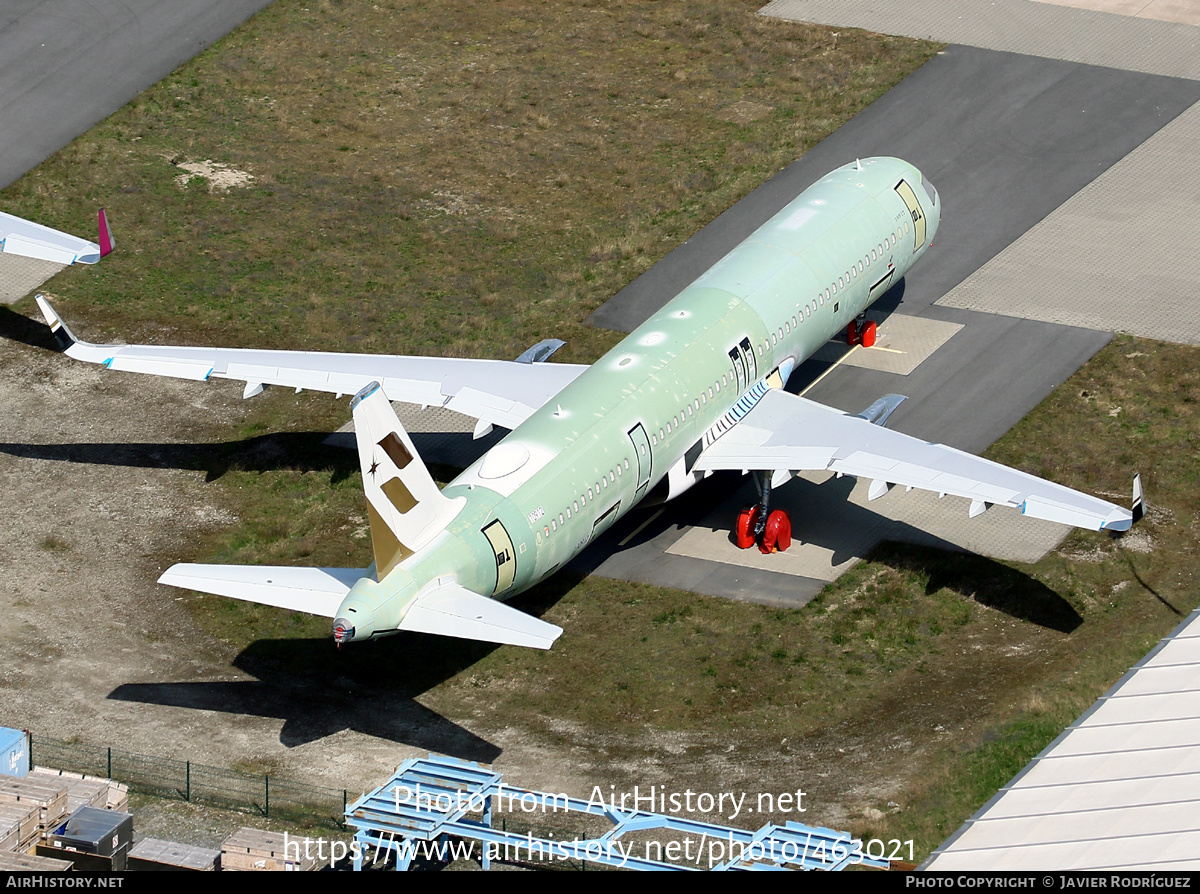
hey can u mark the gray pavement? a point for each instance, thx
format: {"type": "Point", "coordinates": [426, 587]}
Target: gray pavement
{"type": "Point", "coordinates": [1017, 26]}
{"type": "Point", "coordinates": [67, 64]}
{"type": "Point", "coordinates": [1120, 255]}
{"type": "Point", "coordinates": [1005, 138]}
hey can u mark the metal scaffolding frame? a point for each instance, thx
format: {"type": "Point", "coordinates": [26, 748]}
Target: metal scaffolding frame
{"type": "Point", "coordinates": [430, 802]}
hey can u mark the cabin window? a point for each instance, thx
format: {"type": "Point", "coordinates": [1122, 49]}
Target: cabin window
{"type": "Point", "coordinates": [773, 339]}
{"type": "Point", "coordinates": [554, 524]}
{"type": "Point", "coordinates": [561, 520]}
{"type": "Point", "coordinates": [626, 465]}
{"type": "Point", "coordinates": [568, 512]}
{"type": "Point", "coordinates": [576, 505]}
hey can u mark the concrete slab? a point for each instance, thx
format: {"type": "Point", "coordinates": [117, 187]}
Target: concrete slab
{"type": "Point", "coordinates": [1018, 26]}
{"type": "Point", "coordinates": [833, 527]}
{"type": "Point", "coordinates": [1184, 11]}
{"type": "Point", "coordinates": [1120, 255]}
{"type": "Point", "coordinates": [67, 64]}
{"type": "Point", "coordinates": [903, 343]}
{"type": "Point", "coordinates": [19, 276]}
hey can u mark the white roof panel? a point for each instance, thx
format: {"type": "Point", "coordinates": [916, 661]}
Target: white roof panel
{"type": "Point", "coordinates": [1120, 789]}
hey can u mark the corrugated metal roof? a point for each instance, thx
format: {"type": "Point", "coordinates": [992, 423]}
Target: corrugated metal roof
{"type": "Point", "coordinates": [1119, 789]}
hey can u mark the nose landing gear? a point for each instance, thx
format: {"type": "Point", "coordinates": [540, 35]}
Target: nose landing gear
{"type": "Point", "coordinates": [862, 332]}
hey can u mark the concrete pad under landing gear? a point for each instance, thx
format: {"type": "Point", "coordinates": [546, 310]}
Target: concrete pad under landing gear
{"type": "Point", "coordinates": [20, 275]}
{"type": "Point", "coordinates": [833, 526]}
{"type": "Point", "coordinates": [903, 343]}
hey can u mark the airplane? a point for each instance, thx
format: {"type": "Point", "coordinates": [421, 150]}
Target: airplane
{"type": "Point", "coordinates": [695, 389]}
{"type": "Point", "coordinates": [32, 240]}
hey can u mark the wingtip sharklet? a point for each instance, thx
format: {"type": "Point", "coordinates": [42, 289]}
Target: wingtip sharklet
{"type": "Point", "coordinates": [63, 336]}
{"type": "Point", "coordinates": [107, 243]}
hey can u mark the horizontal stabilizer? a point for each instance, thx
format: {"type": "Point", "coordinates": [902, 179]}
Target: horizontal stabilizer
{"type": "Point", "coordinates": [453, 610]}
{"type": "Point", "coordinates": [316, 591]}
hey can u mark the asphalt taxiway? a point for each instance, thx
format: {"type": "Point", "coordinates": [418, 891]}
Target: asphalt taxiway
{"type": "Point", "coordinates": [67, 64]}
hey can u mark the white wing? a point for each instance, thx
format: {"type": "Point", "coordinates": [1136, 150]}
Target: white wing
{"type": "Point", "coordinates": [788, 432]}
{"type": "Point", "coordinates": [24, 237]}
{"type": "Point", "coordinates": [499, 392]}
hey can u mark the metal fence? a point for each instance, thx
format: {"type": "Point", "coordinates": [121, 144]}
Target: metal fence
{"type": "Point", "coordinates": [162, 777]}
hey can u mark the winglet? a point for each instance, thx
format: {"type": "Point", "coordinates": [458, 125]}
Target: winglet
{"type": "Point", "coordinates": [1139, 501]}
{"type": "Point", "coordinates": [878, 412]}
{"type": "Point", "coordinates": [107, 243]}
{"type": "Point", "coordinates": [63, 337]}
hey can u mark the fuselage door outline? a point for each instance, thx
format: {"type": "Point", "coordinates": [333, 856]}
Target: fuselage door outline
{"type": "Point", "coordinates": [641, 453]}
{"type": "Point", "coordinates": [506, 558]}
{"type": "Point", "coordinates": [914, 209]}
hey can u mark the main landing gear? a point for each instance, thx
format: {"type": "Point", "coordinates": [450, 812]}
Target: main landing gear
{"type": "Point", "coordinates": [862, 332]}
{"type": "Point", "coordinates": [770, 529]}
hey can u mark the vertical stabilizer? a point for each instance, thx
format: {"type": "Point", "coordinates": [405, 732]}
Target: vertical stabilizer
{"type": "Point", "coordinates": [406, 507]}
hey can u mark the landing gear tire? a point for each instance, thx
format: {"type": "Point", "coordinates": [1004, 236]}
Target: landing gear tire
{"type": "Point", "coordinates": [747, 520]}
{"type": "Point", "coordinates": [868, 334]}
{"type": "Point", "coordinates": [852, 333]}
{"type": "Point", "coordinates": [777, 534]}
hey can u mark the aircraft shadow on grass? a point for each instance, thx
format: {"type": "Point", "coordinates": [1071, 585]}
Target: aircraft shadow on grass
{"type": "Point", "coordinates": [370, 688]}
{"type": "Point", "coordinates": [301, 451]}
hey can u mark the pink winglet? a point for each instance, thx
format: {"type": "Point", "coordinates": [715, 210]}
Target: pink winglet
{"type": "Point", "coordinates": [106, 240]}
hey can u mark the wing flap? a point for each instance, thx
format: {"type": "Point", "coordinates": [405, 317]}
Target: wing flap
{"type": "Point", "coordinates": [316, 591]}
{"type": "Point", "coordinates": [788, 432]}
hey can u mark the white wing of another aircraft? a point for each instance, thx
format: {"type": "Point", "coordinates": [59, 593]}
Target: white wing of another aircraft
{"type": "Point", "coordinates": [498, 392]}
{"type": "Point", "coordinates": [32, 240]}
{"type": "Point", "coordinates": [784, 431]}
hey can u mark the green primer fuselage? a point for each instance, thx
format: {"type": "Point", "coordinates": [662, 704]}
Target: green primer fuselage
{"type": "Point", "coordinates": [637, 419]}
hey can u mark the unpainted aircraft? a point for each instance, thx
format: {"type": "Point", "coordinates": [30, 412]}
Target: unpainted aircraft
{"type": "Point", "coordinates": [697, 388]}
